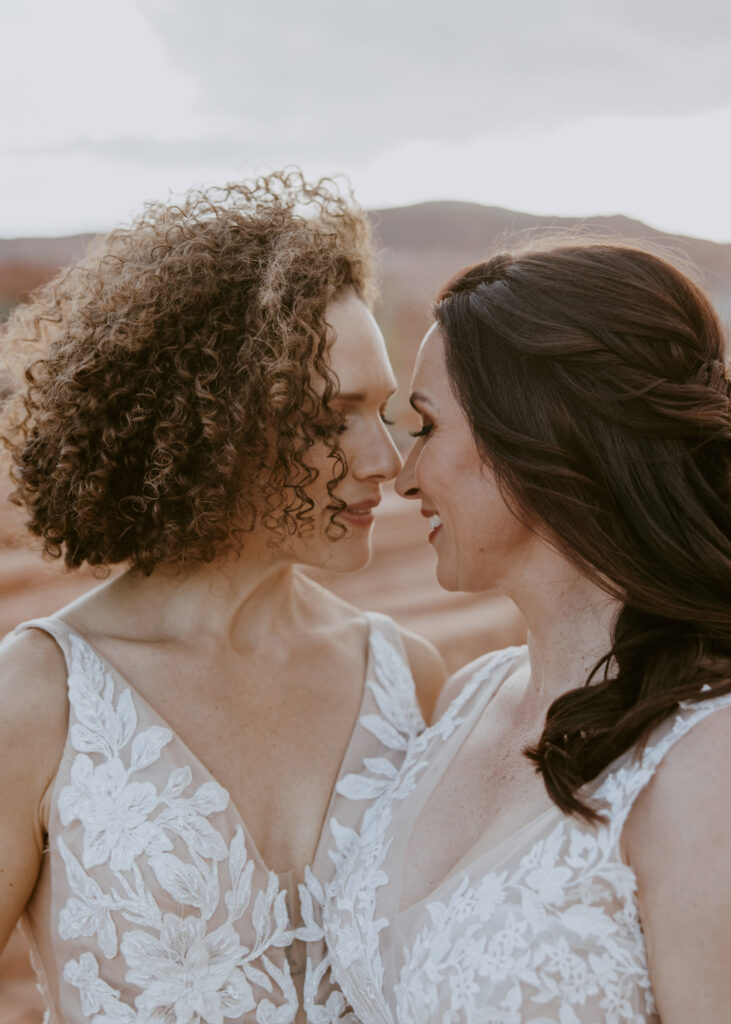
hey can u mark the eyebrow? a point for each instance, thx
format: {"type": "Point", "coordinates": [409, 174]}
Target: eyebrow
{"type": "Point", "coordinates": [356, 396]}
{"type": "Point", "coordinates": [348, 396]}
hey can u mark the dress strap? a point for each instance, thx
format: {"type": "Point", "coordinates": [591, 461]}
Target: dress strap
{"type": "Point", "coordinates": [385, 625]}
{"type": "Point", "coordinates": [480, 680]}
{"type": "Point", "coordinates": [56, 628]}
{"type": "Point", "coordinates": [621, 787]}
{"type": "Point", "coordinates": [389, 673]}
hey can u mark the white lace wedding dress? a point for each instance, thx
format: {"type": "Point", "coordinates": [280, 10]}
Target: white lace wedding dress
{"type": "Point", "coordinates": [544, 927]}
{"type": "Point", "coordinates": [153, 903]}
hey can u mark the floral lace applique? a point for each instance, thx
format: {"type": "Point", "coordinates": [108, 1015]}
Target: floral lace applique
{"type": "Point", "coordinates": [187, 968]}
{"type": "Point", "coordinates": [507, 942]}
{"type": "Point", "coordinates": [156, 882]}
{"type": "Point", "coordinates": [398, 721]}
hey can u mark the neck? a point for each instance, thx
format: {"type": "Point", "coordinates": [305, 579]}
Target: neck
{"type": "Point", "coordinates": [237, 599]}
{"type": "Point", "coordinates": [569, 620]}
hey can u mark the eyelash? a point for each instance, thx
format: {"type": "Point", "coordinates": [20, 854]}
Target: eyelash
{"type": "Point", "coordinates": [424, 432]}
{"type": "Point", "coordinates": [386, 420]}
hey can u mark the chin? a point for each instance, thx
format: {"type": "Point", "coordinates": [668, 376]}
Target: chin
{"type": "Point", "coordinates": [450, 579]}
{"type": "Point", "coordinates": [455, 584]}
{"type": "Point", "coordinates": [445, 577]}
{"type": "Point", "coordinates": [346, 556]}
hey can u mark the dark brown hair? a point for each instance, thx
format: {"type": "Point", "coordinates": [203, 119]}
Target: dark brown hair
{"type": "Point", "coordinates": [180, 374]}
{"type": "Point", "coordinates": [593, 377]}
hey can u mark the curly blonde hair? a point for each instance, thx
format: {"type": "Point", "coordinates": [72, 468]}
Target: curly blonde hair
{"type": "Point", "coordinates": [174, 379]}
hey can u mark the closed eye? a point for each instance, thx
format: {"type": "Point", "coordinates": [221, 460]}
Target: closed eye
{"type": "Point", "coordinates": [424, 432]}
{"type": "Point", "coordinates": [325, 431]}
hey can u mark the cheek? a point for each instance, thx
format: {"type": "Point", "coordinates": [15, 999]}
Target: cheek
{"type": "Point", "coordinates": [481, 513]}
{"type": "Point", "coordinates": [434, 473]}
{"type": "Point", "coordinates": [502, 538]}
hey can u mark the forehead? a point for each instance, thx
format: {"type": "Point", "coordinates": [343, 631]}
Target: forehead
{"type": "Point", "coordinates": [358, 355]}
{"type": "Point", "coordinates": [430, 370]}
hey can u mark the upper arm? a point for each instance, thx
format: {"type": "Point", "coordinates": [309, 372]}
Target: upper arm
{"type": "Point", "coordinates": [33, 724]}
{"type": "Point", "coordinates": [678, 842]}
{"type": "Point", "coordinates": [427, 668]}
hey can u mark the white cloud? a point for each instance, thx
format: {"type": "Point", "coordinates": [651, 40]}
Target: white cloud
{"type": "Point", "coordinates": [141, 150]}
{"type": "Point", "coordinates": [565, 107]}
{"type": "Point", "coordinates": [671, 173]}
{"type": "Point", "coordinates": [329, 78]}
{"type": "Point", "coordinates": [86, 69]}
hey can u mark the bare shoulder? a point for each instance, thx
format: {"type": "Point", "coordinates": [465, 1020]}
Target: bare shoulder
{"type": "Point", "coordinates": [689, 790]}
{"type": "Point", "coordinates": [427, 668]}
{"type": "Point", "coordinates": [33, 700]}
{"type": "Point", "coordinates": [33, 659]}
{"type": "Point", "coordinates": [33, 725]}
{"type": "Point", "coordinates": [677, 840]}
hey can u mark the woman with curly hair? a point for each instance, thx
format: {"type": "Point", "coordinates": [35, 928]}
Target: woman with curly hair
{"type": "Point", "coordinates": [565, 821]}
{"type": "Point", "coordinates": [203, 406]}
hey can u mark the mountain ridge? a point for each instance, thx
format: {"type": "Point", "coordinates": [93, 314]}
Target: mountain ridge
{"type": "Point", "coordinates": [454, 224]}
{"type": "Point", "coordinates": [420, 245]}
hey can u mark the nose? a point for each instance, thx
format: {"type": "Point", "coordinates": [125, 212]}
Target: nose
{"type": "Point", "coordinates": [382, 461]}
{"type": "Point", "coordinates": [406, 480]}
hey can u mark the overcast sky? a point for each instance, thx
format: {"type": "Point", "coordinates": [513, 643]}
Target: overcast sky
{"type": "Point", "coordinates": [569, 107]}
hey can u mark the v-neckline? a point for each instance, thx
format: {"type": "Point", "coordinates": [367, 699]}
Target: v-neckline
{"type": "Point", "coordinates": [202, 768]}
{"type": "Point", "coordinates": [461, 868]}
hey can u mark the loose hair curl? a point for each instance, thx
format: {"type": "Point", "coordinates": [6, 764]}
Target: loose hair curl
{"type": "Point", "coordinates": [594, 379]}
{"type": "Point", "coordinates": [181, 374]}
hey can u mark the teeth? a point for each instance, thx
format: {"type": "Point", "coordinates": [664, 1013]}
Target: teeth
{"type": "Point", "coordinates": [434, 521]}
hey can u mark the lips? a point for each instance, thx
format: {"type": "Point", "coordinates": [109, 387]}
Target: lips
{"type": "Point", "coordinates": [364, 506]}
{"type": "Point", "coordinates": [359, 513]}
{"type": "Point", "coordinates": [435, 522]}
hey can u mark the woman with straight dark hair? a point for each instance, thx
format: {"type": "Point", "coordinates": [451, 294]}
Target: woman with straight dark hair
{"type": "Point", "coordinates": [563, 852]}
{"type": "Point", "coordinates": [202, 405]}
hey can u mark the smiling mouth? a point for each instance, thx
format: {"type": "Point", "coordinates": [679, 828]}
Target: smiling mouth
{"type": "Point", "coordinates": [357, 515]}
{"type": "Point", "coordinates": [435, 524]}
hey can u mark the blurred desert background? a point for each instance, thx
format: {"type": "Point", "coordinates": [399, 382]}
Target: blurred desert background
{"type": "Point", "coordinates": [420, 246]}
